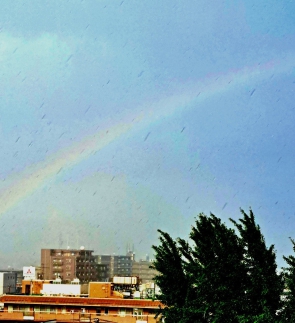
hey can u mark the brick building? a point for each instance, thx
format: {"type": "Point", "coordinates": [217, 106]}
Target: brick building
{"type": "Point", "coordinates": [68, 264]}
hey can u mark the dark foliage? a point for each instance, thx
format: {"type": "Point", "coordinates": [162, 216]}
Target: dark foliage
{"type": "Point", "coordinates": [219, 275]}
{"type": "Point", "coordinates": [288, 310]}
{"type": "Point", "coordinates": [264, 285]}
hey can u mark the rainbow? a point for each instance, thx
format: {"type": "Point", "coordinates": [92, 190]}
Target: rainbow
{"type": "Point", "coordinates": [34, 178]}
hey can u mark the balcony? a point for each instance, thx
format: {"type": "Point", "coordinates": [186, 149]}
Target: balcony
{"type": "Point", "coordinates": [69, 317]}
{"type": "Point", "coordinates": [57, 263]}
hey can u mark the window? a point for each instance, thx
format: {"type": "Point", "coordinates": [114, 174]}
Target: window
{"type": "Point", "coordinates": [122, 312]}
{"type": "Point", "coordinates": [10, 308]}
{"type": "Point", "coordinates": [137, 312]}
{"type": "Point", "coordinates": [21, 308]}
{"type": "Point", "coordinates": [45, 309]}
{"type": "Point", "coordinates": [37, 309]}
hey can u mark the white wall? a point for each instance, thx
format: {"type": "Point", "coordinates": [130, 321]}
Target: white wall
{"type": "Point", "coordinates": [64, 289]}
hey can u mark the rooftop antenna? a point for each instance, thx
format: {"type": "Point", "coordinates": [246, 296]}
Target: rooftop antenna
{"type": "Point", "coordinates": [68, 247]}
{"type": "Point", "coordinates": [77, 243]}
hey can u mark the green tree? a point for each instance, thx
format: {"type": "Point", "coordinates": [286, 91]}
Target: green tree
{"type": "Point", "coordinates": [264, 286]}
{"type": "Point", "coordinates": [210, 273]}
{"type": "Point", "coordinates": [171, 279]}
{"type": "Point", "coordinates": [218, 275]}
{"type": "Point", "coordinates": [288, 309]}
{"type": "Point", "coordinates": [216, 270]}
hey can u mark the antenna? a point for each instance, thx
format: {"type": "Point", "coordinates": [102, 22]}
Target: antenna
{"type": "Point", "coordinates": [77, 243]}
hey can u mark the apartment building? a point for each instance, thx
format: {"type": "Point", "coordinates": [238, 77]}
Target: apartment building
{"type": "Point", "coordinates": [68, 264]}
{"type": "Point", "coordinates": [142, 270]}
{"type": "Point", "coordinates": [22, 308]}
{"type": "Point", "coordinates": [116, 265]}
{"type": "Point", "coordinates": [102, 272]}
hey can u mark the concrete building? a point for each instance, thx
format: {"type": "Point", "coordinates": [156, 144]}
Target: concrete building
{"type": "Point", "coordinates": [68, 264]}
{"type": "Point", "coordinates": [78, 309]}
{"type": "Point", "coordinates": [8, 282]}
{"type": "Point", "coordinates": [142, 270]}
{"type": "Point", "coordinates": [19, 278]}
{"type": "Point", "coordinates": [116, 265]}
{"type": "Point", "coordinates": [102, 272]}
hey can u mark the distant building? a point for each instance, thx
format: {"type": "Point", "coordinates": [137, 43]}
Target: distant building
{"type": "Point", "coordinates": [102, 272]}
{"type": "Point", "coordinates": [19, 278]}
{"type": "Point", "coordinates": [68, 264]}
{"type": "Point", "coordinates": [115, 265]}
{"type": "Point", "coordinates": [8, 282]}
{"type": "Point", "coordinates": [142, 270]}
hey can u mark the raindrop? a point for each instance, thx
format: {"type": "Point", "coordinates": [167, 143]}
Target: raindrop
{"type": "Point", "coordinates": [146, 137]}
{"type": "Point", "coordinates": [69, 58]}
{"type": "Point", "coordinates": [139, 74]}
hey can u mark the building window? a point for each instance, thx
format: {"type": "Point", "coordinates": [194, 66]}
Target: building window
{"type": "Point", "coordinates": [122, 312]}
{"type": "Point", "coordinates": [45, 309]}
{"type": "Point", "coordinates": [10, 308]}
{"type": "Point", "coordinates": [137, 312]}
{"type": "Point", "coordinates": [37, 309]}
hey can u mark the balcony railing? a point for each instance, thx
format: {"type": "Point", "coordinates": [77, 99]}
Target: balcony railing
{"type": "Point", "coordinates": [73, 317]}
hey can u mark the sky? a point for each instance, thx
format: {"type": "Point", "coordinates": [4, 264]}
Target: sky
{"type": "Point", "coordinates": [118, 118]}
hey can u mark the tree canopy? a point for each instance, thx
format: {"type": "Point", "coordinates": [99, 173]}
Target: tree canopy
{"type": "Point", "coordinates": [223, 274]}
